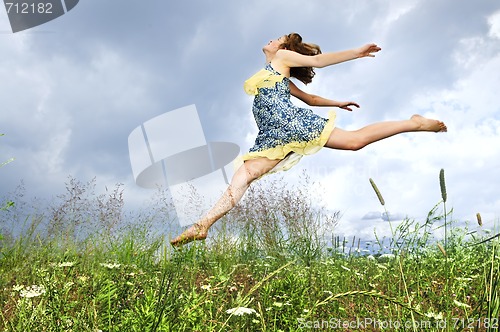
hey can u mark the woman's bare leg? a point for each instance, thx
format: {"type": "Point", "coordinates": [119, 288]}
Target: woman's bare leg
{"type": "Point", "coordinates": [339, 139]}
{"type": "Point", "coordinates": [355, 140]}
{"type": "Point", "coordinates": [244, 176]}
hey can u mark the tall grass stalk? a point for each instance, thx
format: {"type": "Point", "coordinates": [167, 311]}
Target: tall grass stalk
{"type": "Point", "coordinates": [444, 196]}
{"type": "Point", "coordinates": [399, 253]}
{"type": "Point", "coordinates": [169, 273]}
{"type": "Point", "coordinates": [493, 293]}
{"type": "Point", "coordinates": [7, 204]}
{"type": "Point", "coordinates": [382, 202]}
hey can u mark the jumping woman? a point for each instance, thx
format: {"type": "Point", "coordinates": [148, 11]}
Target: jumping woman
{"type": "Point", "coordinates": [287, 132]}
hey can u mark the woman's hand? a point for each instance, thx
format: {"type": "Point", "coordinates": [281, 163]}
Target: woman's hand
{"type": "Point", "coordinates": [347, 105]}
{"type": "Point", "coordinates": [367, 50]}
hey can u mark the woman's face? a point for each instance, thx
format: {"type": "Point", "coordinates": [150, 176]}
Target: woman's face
{"type": "Point", "coordinates": [274, 45]}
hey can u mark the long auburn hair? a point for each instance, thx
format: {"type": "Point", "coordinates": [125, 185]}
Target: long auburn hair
{"type": "Point", "coordinates": [293, 42]}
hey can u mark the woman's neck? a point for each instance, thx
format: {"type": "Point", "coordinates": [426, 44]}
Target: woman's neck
{"type": "Point", "coordinates": [269, 56]}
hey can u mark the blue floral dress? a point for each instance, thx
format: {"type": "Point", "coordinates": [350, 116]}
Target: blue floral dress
{"type": "Point", "coordinates": [286, 132]}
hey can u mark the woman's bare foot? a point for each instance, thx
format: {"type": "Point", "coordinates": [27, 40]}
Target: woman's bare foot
{"type": "Point", "coordinates": [425, 124]}
{"type": "Point", "coordinates": [195, 232]}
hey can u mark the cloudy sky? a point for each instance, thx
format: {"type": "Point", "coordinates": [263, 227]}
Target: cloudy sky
{"type": "Point", "coordinates": [73, 89]}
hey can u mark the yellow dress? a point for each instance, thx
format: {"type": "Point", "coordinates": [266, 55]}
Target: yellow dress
{"type": "Point", "coordinates": [286, 132]}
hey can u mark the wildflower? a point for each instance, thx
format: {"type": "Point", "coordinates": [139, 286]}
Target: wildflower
{"type": "Point", "coordinates": [240, 311]}
{"type": "Point", "coordinates": [111, 266]}
{"type": "Point", "coordinates": [435, 316]}
{"type": "Point", "coordinates": [463, 279]}
{"type": "Point", "coordinates": [386, 257]}
{"type": "Point", "coordinates": [83, 278]}
{"type": "Point", "coordinates": [17, 288]}
{"type": "Point", "coordinates": [461, 305]}
{"type": "Point", "coordinates": [32, 291]}
{"type": "Point", "coordinates": [66, 264]}
{"type": "Point", "coordinates": [206, 287]}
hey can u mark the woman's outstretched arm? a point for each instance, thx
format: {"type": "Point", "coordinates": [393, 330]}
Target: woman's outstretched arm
{"type": "Point", "coordinates": [294, 59]}
{"type": "Point", "coordinates": [313, 100]}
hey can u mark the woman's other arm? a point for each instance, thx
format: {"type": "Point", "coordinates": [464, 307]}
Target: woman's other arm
{"type": "Point", "coordinates": [313, 100]}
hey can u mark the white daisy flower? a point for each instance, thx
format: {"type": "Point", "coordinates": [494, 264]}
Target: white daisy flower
{"type": "Point", "coordinates": [111, 265]}
{"type": "Point", "coordinates": [66, 264]}
{"type": "Point", "coordinates": [240, 311]}
{"type": "Point", "coordinates": [17, 288]}
{"type": "Point", "coordinates": [32, 291]}
{"type": "Point", "coordinates": [461, 304]}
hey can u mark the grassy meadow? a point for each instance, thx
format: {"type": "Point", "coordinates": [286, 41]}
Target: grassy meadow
{"type": "Point", "coordinates": [274, 263]}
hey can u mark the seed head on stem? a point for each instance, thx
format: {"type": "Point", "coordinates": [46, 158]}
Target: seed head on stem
{"type": "Point", "coordinates": [443, 185]}
{"type": "Point", "coordinates": [379, 195]}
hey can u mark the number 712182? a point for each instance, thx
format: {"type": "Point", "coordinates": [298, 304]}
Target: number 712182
{"type": "Point", "coordinates": [28, 8]}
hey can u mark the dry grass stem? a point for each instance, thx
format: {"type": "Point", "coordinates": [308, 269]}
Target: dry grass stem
{"type": "Point", "coordinates": [442, 249]}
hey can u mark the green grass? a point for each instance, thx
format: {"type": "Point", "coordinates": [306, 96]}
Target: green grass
{"type": "Point", "coordinates": [279, 271]}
